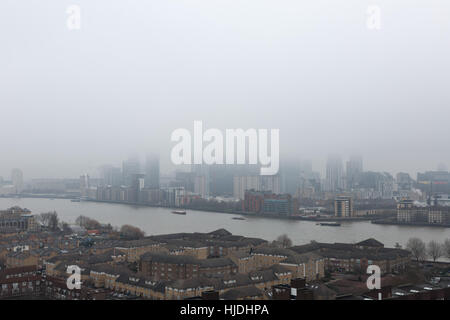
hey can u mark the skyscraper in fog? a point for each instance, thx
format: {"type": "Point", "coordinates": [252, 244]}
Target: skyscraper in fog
{"type": "Point", "coordinates": [201, 185]}
{"type": "Point", "coordinates": [255, 183]}
{"type": "Point", "coordinates": [334, 180]}
{"type": "Point", "coordinates": [17, 180]}
{"type": "Point", "coordinates": [137, 184]}
{"type": "Point", "coordinates": [84, 185]}
{"type": "Point", "coordinates": [129, 168]}
{"type": "Point", "coordinates": [111, 176]}
{"type": "Point", "coordinates": [289, 176]}
{"type": "Point", "coordinates": [354, 170]}
{"type": "Point", "coordinates": [152, 172]}
{"type": "Point", "coordinates": [201, 179]}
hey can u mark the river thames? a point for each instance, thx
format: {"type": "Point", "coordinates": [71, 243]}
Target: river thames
{"type": "Point", "coordinates": [161, 220]}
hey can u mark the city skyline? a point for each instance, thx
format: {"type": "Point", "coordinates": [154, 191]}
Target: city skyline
{"type": "Point", "coordinates": [167, 168]}
{"type": "Point", "coordinates": [238, 151]}
{"type": "Point", "coordinates": [330, 84]}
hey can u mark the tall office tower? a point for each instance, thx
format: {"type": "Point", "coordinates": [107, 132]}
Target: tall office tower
{"type": "Point", "coordinates": [272, 183]}
{"type": "Point", "coordinates": [245, 183]}
{"type": "Point", "coordinates": [185, 180]}
{"type": "Point", "coordinates": [84, 185]}
{"type": "Point", "coordinates": [255, 183]}
{"type": "Point", "coordinates": [137, 184]}
{"type": "Point", "coordinates": [201, 179]}
{"type": "Point", "coordinates": [201, 185]}
{"type": "Point", "coordinates": [343, 206]}
{"type": "Point", "coordinates": [354, 170]}
{"type": "Point", "coordinates": [17, 180]}
{"type": "Point", "coordinates": [334, 180]}
{"type": "Point", "coordinates": [309, 180]}
{"type": "Point", "coordinates": [289, 177]}
{"type": "Point", "coordinates": [221, 179]}
{"type": "Point", "coordinates": [111, 176]}
{"type": "Point", "coordinates": [129, 168]}
{"type": "Point", "coordinates": [84, 181]}
{"type": "Point", "coordinates": [152, 172]}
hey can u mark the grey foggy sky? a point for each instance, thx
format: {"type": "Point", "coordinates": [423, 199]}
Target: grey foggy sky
{"type": "Point", "coordinates": [71, 101]}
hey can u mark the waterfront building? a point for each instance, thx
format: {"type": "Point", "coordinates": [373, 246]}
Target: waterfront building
{"type": "Point", "coordinates": [343, 207]}
{"type": "Point", "coordinates": [266, 202]}
{"type": "Point", "coordinates": [334, 180]}
{"type": "Point", "coordinates": [152, 172]}
{"type": "Point", "coordinates": [130, 167]}
{"type": "Point", "coordinates": [354, 168]}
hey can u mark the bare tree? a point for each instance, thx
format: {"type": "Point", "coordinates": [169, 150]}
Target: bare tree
{"type": "Point", "coordinates": [435, 250]}
{"type": "Point", "coordinates": [64, 226]}
{"type": "Point", "coordinates": [87, 223]}
{"type": "Point", "coordinates": [131, 232]}
{"type": "Point", "coordinates": [417, 248]}
{"type": "Point", "coordinates": [49, 220]}
{"type": "Point", "coordinates": [283, 241]}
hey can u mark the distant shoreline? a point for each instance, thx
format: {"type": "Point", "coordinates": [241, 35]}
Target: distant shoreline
{"type": "Point", "coordinates": [271, 216]}
{"type": "Point", "coordinates": [373, 219]}
{"type": "Point", "coordinates": [389, 222]}
{"type": "Point", "coordinates": [249, 214]}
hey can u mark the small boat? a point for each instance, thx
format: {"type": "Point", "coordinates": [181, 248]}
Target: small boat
{"type": "Point", "coordinates": [179, 212]}
{"type": "Point", "coordinates": [330, 224]}
{"type": "Point", "coordinates": [75, 200]}
{"type": "Point", "coordinates": [238, 218]}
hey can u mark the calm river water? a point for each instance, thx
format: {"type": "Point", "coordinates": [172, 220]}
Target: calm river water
{"type": "Point", "coordinates": [161, 220]}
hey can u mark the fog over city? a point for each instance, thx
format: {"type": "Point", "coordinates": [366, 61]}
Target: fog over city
{"type": "Point", "coordinates": [73, 100]}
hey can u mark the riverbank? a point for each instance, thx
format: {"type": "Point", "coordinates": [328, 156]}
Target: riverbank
{"type": "Point", "coordinates": [396, 223]}
{"type": "Point", "coordinates": [156, 221]}
{"type": "Point", "coordinates": [323, 218]}
{"type": "Point", "coordinates": [250, 214]}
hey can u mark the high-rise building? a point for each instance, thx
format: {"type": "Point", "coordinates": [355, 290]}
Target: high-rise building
{"type": "Point", "coordinates": [129, 168]}
{"type": "Point", "coordinates": [152, 172]}
{"type": "Point", "coordinates": [289, 176]}
{"type": "Point", "coordinates": [244, 183]}
{"type": "Point", "coordinates": [354, 168]}
{"type": "Point", "coordinates": [111, 176]}
{"type": "Point", "coordinates": [221, 179]}
{"type": "Point", "coordinates": [334, 180]}
{"type": "Point", "coordinates": [184, 179]}
{"type": "Point", "coordinates": [137, 185]}
{"type": "Point", "coordinates": [255, 183]}
{"type": "Point", "coordinates": [272, 183]}
{"type": "Point", "coordinates": [309, 182]}
{"type": "Point", "coordinates": [17, 180]}
{"type": "Point", "coordinates": [201, 186]}
{"type": "Point", "coordinates": [84, 185]}
{"type": "Point", "coordinates": [343, 206]}
{"type": "Point", "coordinates": [201, 180]}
